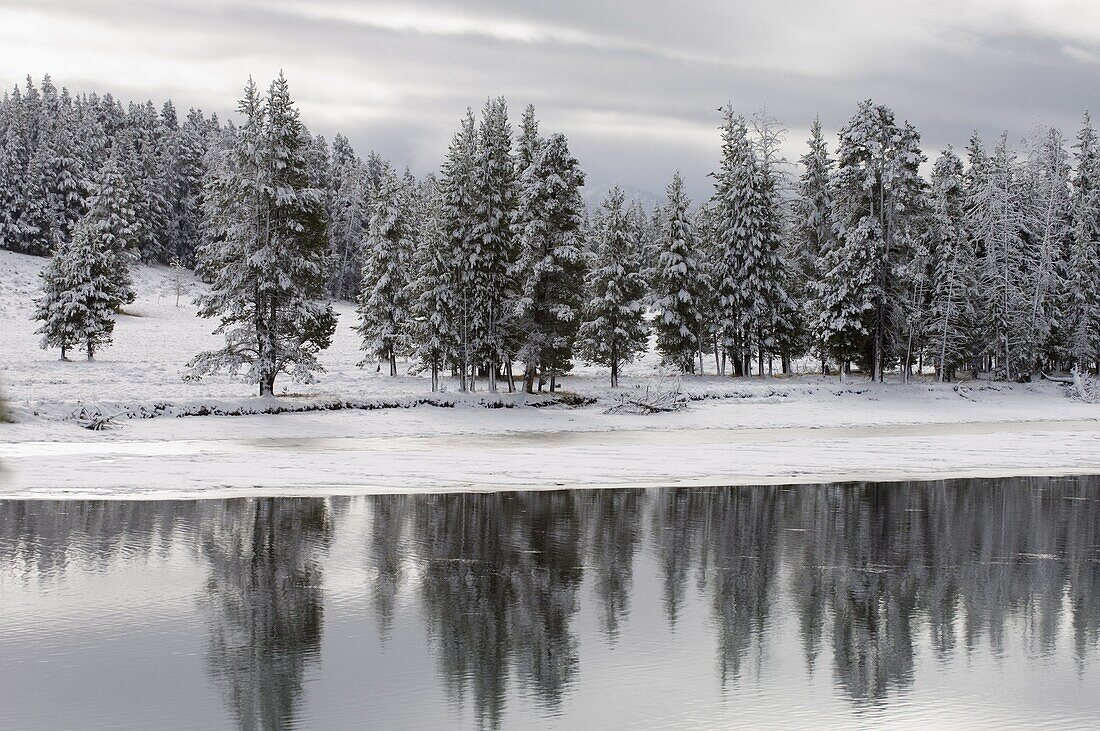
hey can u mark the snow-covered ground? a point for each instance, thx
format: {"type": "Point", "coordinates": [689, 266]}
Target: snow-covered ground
{"type": "Point", "coordinates": [738, 431]}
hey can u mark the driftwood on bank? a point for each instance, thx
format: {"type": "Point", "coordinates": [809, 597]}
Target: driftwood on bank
{"type": "Point", "coordinates": [649, 401]}
{"type": "Point", "coordinates": [94, 419]}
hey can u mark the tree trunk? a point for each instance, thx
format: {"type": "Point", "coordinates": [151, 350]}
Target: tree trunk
{"type": "Point", "coordinates": [393, 363]}
{"type": "Point", "coordinates": [529, 378]}
{"type": "Point", "coordinates": [553, 381]}
{"type": "Point", "coordinates": [91, 350]}
{"type": "Point", "coordinates": [267, 384]}
{"type": "Point", "coordinates": [435, 377]}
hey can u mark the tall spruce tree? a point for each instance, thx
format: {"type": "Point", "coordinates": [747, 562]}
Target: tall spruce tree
{"type": "Point", "coordinates": [457, 211]}
{"type": "Point", "coordinates": [268, 276]}
{"type": "Point", "coordinates": [950, 324]}
{"type": "Point", "coordinates": [677, 283]}
{"type": "Point", "coordinates": [15, 194]}
{"type": "Point", "coordinates": [732, 206]}
{"type": "Point", "coordinates": [814, 236]}
{"type": "Point", "coordinates": [1082, 292]}
{"type": "Point", "coordinates": [349, 215]}
{"type": "Point", "coordinates": [997, 223]}
{"type": "Point", "coordinates": [383, 305]}
{"type": "Point", "coordinates": [489, 247]}
{"type": "Point", "coordinates": [748, 221]}
{"type": "Point", "coordinates": [432, 290]}
{"type": "Point", "coordinates": [1048, 209]}
{"type": "Point", "coordinates": [614, 330]}
{"type": "Point", "coordinates": [113, 220]}
{"type": "Point", "coordinates": [549, 270]}
{"type": "Point", "coordinates": [877, 197]}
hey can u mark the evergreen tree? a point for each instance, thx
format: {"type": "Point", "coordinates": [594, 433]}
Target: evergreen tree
{"type": "Point", "coordinates": [267, 271]}
{"type": "Point", "coordinates": [187, 175]}
{"type": "Point", "coordinates": [614, 330]}
{"type": "Point", "coordinates": [488, 250]}
{"type": "Point", "coordinates": [383, 306]}
{"type": "Point", "coordinates": [457, 193]}
{"type": "Point", "coordinates": [147, 174]}
{"type": "Point", "coordinates": [15, 156]}
{"type": "Point", "coordinates": [56, 307]}
{"type": "Point", "coordinates": [550, 268]}
{"type": "Point", "coordinates": [113, 220]}
{"type": "Point", "coordinates": [432, 290]}
{"type": "Point", "coordinates": [748, 208]}
{"type": "Point", "coordinates": [1049, 230]}
{"type": "Point", "coordinates": [1082, 298]}
{"type": "Point", "coordinates": [814, 233]}
{"type": "Point", "coordinates": [78, 301]}
{"type": "Point", "coordinates": [949, 328]}
{"type": "Point", "coordinates": [732, 205]}
{"type": "Point", "coordinates": [677, 284]}
{"type": "Point", "coordinates": [995, 218]}
{"type": "Point", "coordinates": [877, 197]}
{"type": "Point", "coordinates": [349, 213]}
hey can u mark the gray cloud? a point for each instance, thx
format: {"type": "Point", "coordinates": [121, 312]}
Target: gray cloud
{"type": "Point", "coordinates": [634, 85]}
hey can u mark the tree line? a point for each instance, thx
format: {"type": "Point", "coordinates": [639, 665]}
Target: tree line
{"type": "Point", "coordinates": [854, 259]}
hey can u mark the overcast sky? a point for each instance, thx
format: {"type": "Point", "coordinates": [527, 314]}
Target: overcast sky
{"type": "Point", "coordinates": [633, 84]}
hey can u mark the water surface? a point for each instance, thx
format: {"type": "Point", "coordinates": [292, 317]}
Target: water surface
{"type": "Point", "coordinates": [973, 603]}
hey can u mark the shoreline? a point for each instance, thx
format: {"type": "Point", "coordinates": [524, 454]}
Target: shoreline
{"type": "Point", "coordinates": [474, 450]}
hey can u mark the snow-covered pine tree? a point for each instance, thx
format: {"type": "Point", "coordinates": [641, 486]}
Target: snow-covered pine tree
{"type": "Point", "coordinates": [876, 203]}
{"type": "Point", "coordinates": [383, 306]}
{"type": "Point", "coordinates": [549, 271]}
{"type": "Point", "coordinates": [709, 326]}
{"type": "Point", "coordinates": [731, 207]}
{"type": "Point", "coordinates": [677, 283]}
{"type": "Point", "coordinates": [614, 330]}
{"type": "Point", "coordinates": [1082, 293]}
{"type": "Point", "coordinates": [349, 213]}
{"type": "Point", "coordinates": [749, 221]}
{"type": "Point", "coordinates": [187, 177]}
{"type": "Point", "coordinates": [489, 248]}
{"type": "Point", "coordinates": [78, 301]}
{"type": "Point", "coordinates": [15, 156]}
{"type": "Point", "coordinates": [1048, 210]}
{"type": "Point", "coordinates": [996, 221]}
{"type": "Point", "coordinates": [432, 291]}
{"type": "Point", "coordinates": [950, 335]}
{"type": "Point", "coordinates": [147, 174]}
{"type": "Point", "coordinates": [267, 271]}
{"type": "Point", "coordinates": [458, 205]}
{"type": "Point", "coordinates": [814, 233]}
{"type": "Point", "coordinates": [776, 317]}
{"type": "Point", "coordinates": [113, 220]}
{"type": "Point", "coordinates": [55, 307]}
{"type": "Point", "coordinates": [58, 178]}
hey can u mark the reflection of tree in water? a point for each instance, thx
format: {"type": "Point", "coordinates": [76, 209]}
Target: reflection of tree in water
{"type": "Point", "coordinates": [675, 535]}
{"type": "Point", "coordinates": [614, 522]}
{"type": "Point", "coordinates": [872, 564]}
{"type": "Point", "coordinates": [738, 564]}
{"type": "Point", "coordinates": [264, 597]}
{"type": "Point", "coordinates": [965, 559]}
{"type": "Point", "coordinates": [500, 574]}
{"type": "Point", "coordinates": [386, 551]}
{"type": "Point", "coordinates": [41, 538]}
